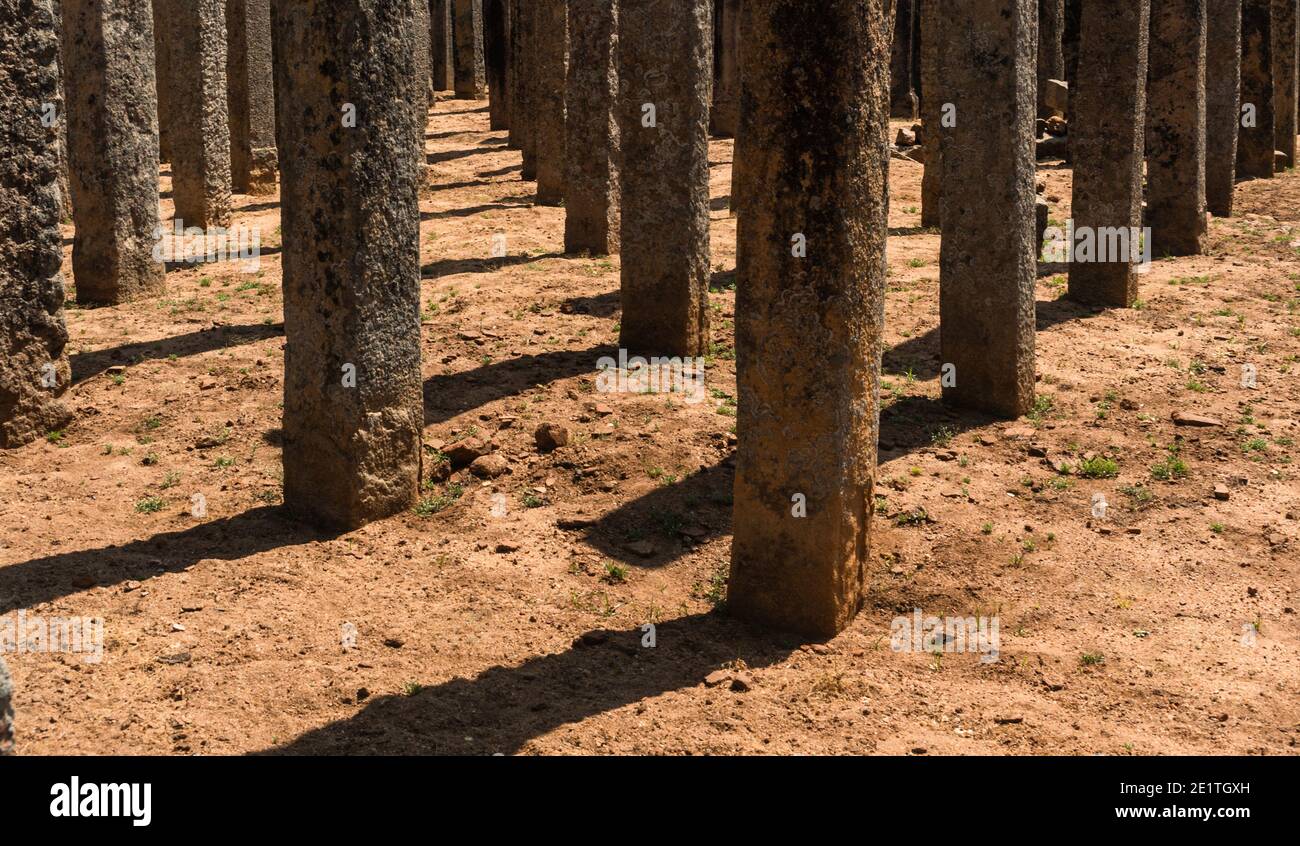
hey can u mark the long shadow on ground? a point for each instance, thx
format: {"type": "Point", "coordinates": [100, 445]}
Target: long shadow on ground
{"type": "Point", "coordinates": [88, 364]}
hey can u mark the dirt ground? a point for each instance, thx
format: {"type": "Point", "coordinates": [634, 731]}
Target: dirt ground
{"type": "Point", "coordinates": [1169, 626]}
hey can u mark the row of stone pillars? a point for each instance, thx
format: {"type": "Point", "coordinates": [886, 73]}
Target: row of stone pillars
{"type": "Point", "coordinates": [614, 113]}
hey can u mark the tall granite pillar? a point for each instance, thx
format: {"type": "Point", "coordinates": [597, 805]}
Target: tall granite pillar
{"type": "Point", "coordinates": [442, 49]}
{"type": "Point", "coordinates": [350, 95]}
{"type": "Point", "coordinates": [6, 711]}
{"type": "Point", "coordinates": [726, 81]}
{"type": "Point", "coordinates": [932, 101]}
{"type": "Point", "coordinates": [34, 369]}
{"type": "Point", "coordinates": [1284, 58]}
{"type": "Point", "coordinates": [1176, 109]}
{"type": "Point", "coordinates": [592, 145]}
{"type": "Point", "coordinates": [515, 75]}
{"type": "Point", "coordinates": [163, 74]}
{"type": "Point", "coordinates": [113, 149]}
{"type": "Point", "coordinates": [552, 41]}
{"type": "Point", "coordinates": [808, 329]}
{"type": "Point", "coordinates": [1070, 47]}
{"type": "Point", "coordinates": [1051, 55]}
{"type": "Point", "coordinates": [1107, 140]}
{"type": "Point", "coordinates": [666, 75]}
{"type": "Point", "coordinates": [471, 70]}
{"type": "Point", "coordinates": [528, 93]}
{"type": "Point", "coordinates": [200, 131]}
{"type": "Point", "coordinates": [253, 163]}
{"type": "Point", "coordinates": [988, 258]}
{"type": "Point", "coordinates": [1222, 103]}
{"type": "Point", "coordinates": [496, 58]}
{"type": "Point", "coordinates": [1256, 136]}
{"type": "Point", "coordinates": [902, 96]}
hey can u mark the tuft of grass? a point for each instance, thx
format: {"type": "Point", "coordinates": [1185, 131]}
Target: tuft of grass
{"type": "Point", "coordinates": [1098, 468]}
{"type": "Point", "coordinates": [150, 505]}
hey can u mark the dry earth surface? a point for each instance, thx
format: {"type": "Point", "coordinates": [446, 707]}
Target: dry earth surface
{"type": "Point", "coordinates": [1169, 626]}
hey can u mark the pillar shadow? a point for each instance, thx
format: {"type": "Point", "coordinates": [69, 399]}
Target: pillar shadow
{"type": "Point", "coordinates": [464, 111]}
{"type": "Point", "coordinates": [908, 231]}
{"type": "Point", "coordinates": [259, 207]}
{"type": "Point", "coordinates": [501, 171]}
{"type": "Point", "coordinates": [720, 203]}
{"type": "Point", "coordinates": [86, 365]}
{"type": "Point", "coordinates": [502, 708]}
{"type": "Point", "coordinates": [52, 577]}
{"type": "Point", "coordinates": [446, 396]}
{"type": "Point", "coordinates": [470, 211]}
{"type": "Point", "coordinates": [490, 146]}
{"type": "Point", "coordinates": [913, 423]}
{"type": "Point", "coordinates": [601, 305]}
{"type": "Point", "coordinates": [451, 267]}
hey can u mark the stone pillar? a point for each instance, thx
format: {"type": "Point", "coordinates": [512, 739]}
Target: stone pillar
{"type": "Point", "coordinates": [350, 94]}
{"type": "Point", "coordinates": [515, 77]}
{"type": "Point", "coordinates": [1107, 140]}
{"type": "Point", "coordinates": [163, 74]}
{"type": "Point", "coordinates": [551, 69]}
{"type": "Point", "coordinates": [200, 132]}
{"type": "Point", "coordinates": [1284, 59]}
{"type": "Point", "coordinates": [1176, 109]}
{"type": "Point", "coordinates": [666, 77]}
{"type": "Point", "coordinates": [496, 55]}
{"type": "Point", "coordinates": [808, 329]}
{"type": "Point", "coordinates": [931, 112]}
{"type": "Point", "coordinates": [592, 179]}
{"type": "Point", "coordinates": [1255, 137]}
{"type": "Point", "coordinates": [726, 83]}
{"type": "Point", "coordinates": [113, 149]}
{"type": "Point", "coordinates": [1051, 55]}
{"type": "Point", "coordinates": [6, 711]}
{"type": "Point", "coordinates": [471, 71]}
{"type": "Point", "coordinates": [902, 96]}
{"type": "Point", "coordinates": [442, 51]}
{"type": "Point", "coordinates": [1222, 103]}
{"type": "Point", "coordinates": [988, 256]}
{"type": "Point", "coordinates": [34, 369]}
{"type": "Point", "coordinates": [528, 90]}
{"type": "Point", "coordinates": [1070, 47]}
{"type": "Point", "coordinates": [253, 163]}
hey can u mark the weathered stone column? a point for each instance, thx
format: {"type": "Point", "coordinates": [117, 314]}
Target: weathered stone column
{"type": "Point", "coordinates": [666, 77]}
{"type": "Point", "coordinates": [253, 163]}
{"type": "Point", "coordinates": [471, 70]}
{"type": "Point", "coordinates": [1070, 46]}
{"type": "Point", "coordinates": [163, 75]}
{"type": "Point", "coordinates": [350, 87]}
{"type": "Point", "coordinates": [1176, 109]}
{"type": "Point", "coordinates": [6, 711]}
{"type": "Point", "coordinates": [528, 28]}
{"type": "Point", "coordinates": [514, 77]}
{"type": "Point", "coordinates": [902, 95]}
{"type": "Point", "coordinates": [1255, 138]}
{"type": "Point", "coordinates": [1284, 59]}
{"type": "Point", "coordinates": [808, 329]}
{"type": "Point", "coordinates": [552, 41]}
{"type": "Point", "coordinates": [931, 112]}
{"type": "Point", "coordinates": [442, 50]}
{"type": "Point", "coordinates": [1051, 55]}
{"type": "Point", "coordinates": [726, 82]}
{"type": "Point", "coordinates": [496, 55]}
{"type": "Point", "coordinates": [1107, 139]}
{"type": "Point", "coordinates": [33, 365]}
{"type": "Point", "coordinates": [200, 131]}
{"type": "Point", "coordinates": [113, 149]}
{"type": "Point", "coordinates": [1222, 103]}
{"type": "Point", "coordinates": [592, 182]}
{"type": "Point", "coordinates": [988, 257]}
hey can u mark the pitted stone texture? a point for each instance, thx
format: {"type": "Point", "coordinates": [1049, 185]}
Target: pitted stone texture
{"type": "Point", "coordinates": [163, 75]}
{"type": "Point", "coordinates": [988, 258]}
{"type": "Point", "coordinates": [1176, 138]}
{"type": "Point", "coordinates": [32, 331]}
{"type": "Point", "coordinates": [528, 94]}
{"type": "Point", "coordinates": [726, 83]}
{"type": "Point", "coordinates": [1051, 52]}
{"type": "Point", "coordinates": [902, 92]}
{"type": "Point", "coordinates": [6, 703]}
{"type": "Point", "coordinates": [551, 69]}
{"type": "Point", "coordinates": [1070, 46]}
{"type": "Point", "coordinates": [1107, 143]}
{"type": "Point", "coordinates": [1255, 143]}
{"type": "Point", "coordinates": [471, 69]}
{"type": "Point", "coordinates": [496, 58]}
{"type": "Point", "coordinates": [113, 158]}
{"type": "Point", "coordinates": [1222, 103]}
{"type": "Point", "coordinates": [351, 253]}
{"type": "Point", "coordinates": [442, 49]}
{"type": "Point", "coordinates": [666, 61]}
{"type": "Point", "coordinates": [592, 169]}
{"type": "Point", "coordinates": [514, 74]}
{"type": "Point", "coordinates": [200, 130]}
{"type": "Point", "coordinates": [932, 100]}
{"type": "Point", "coordinates": [1284, 59]}
{"type": "Point", "coordinates": [253, 161]}
{"type": "Point", "coordinates": [808, 330]}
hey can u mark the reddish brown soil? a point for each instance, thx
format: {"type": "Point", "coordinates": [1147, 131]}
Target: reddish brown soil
{"type": "Point", "coordinates": [462, 648]}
